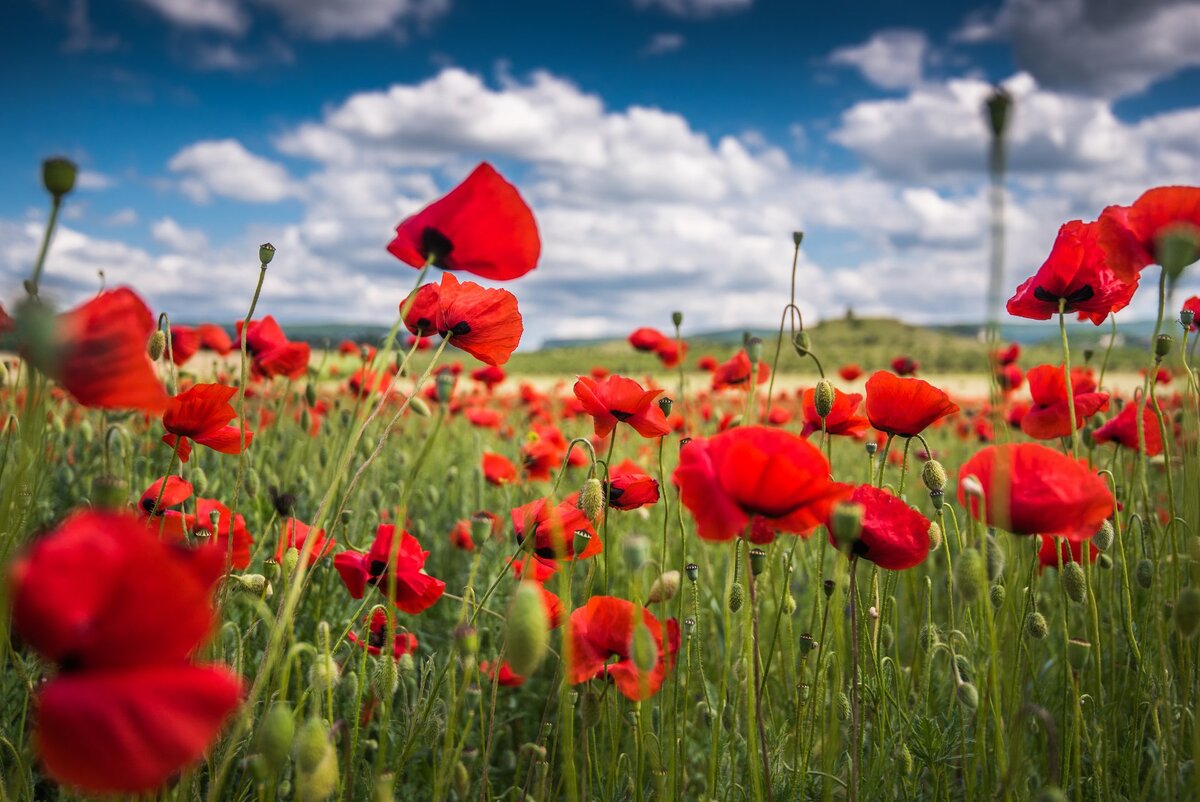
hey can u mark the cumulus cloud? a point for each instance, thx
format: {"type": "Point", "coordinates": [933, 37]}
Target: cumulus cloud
{"type": "Point", "coordinates": [313, 19]}
{"type": "Point", "coordinates": [696, 8]}
{"type": "Point", "coordinates": [225, 168]}
{"type": "Point", "coordinates": [662, 43]}
{"type": "Point", "coordinates": [891, 59]}
{"type": "Point", "coordinates": [226, 16]}
{"type": "Point", "coordinates": [177, 238]}
{"type": "Point", "coordinates": [1104, 48]}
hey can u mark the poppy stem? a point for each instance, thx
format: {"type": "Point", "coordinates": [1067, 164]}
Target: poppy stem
{"type": "Point", "coordinates": [40, 264]}
{"type": "Point", "coordinates": [612, 441]}
{"type": "Point", "coordinates": [1066, 348]}
{"type": "Point", "coordinates": [854, 715]}
{"type": "Point", "coordinates": [163, 488]}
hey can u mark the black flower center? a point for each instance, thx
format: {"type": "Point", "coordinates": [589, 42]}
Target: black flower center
{"type": "Point", "coordinates": [1079, 296]}
{"type": "Point", "coordinates": [435, 246]}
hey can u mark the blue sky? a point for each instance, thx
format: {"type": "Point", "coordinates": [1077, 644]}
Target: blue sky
{"type": "Point", "coordinates": [668, 147]}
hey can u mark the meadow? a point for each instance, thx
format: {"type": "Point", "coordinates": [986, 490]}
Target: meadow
{"type": "Point", "coordinates": [856, 561]}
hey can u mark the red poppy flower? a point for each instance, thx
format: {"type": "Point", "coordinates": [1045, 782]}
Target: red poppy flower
{"type": "Point", "coordinates": [504, 676]}
{"type": "Point", "coordinates": [630, 487]}
{"type": "Point", "coordinates": [100, 354]}
{"type": "Point", "coordinates": [1009, 378]}
{"type": "Point", "coordinates": [1008, 355]}
{"type": "Point", "coordinates": [708, 363]}
{"type": "Point", "coordinates": [483, 322]}
{"type": "Point", "coordinates": [489, 375]}
{"type": "Point", "coordinates": [646, 339]}
{"type": "Point", "coordinates": [1193, 305]}
{"type": "Point", "coordinates": [894, 535]}
{"type": "Point", "coordinates": [122, 614]}
{"type": "Point", "coordinates": [1083, 271]}
{"type": "Point", "coordinates": [185, 342]}
{"type": "Point", "coordinates": [484, 418]}
{"type": "Point", "coordinates": [553, 529]}
{"type": "Point", "coordinates": [843, 418]}
{"type": "Point", "coordinates": [1072, 552]}
{"type": "Point", "coordinates": [273, 353]}
{"type": "Point", "coordinates": [228, 535]}
{"type": "Point", "coordinates": [498, 469]}
{"type": "Point", "coordinates": [295, 533]}
{"type": "Point", "coordinates": [736, 372]}
{"type": "Point", "coordinates": [850, 372]}
{"type": "Point", "coordinates": [1049, 417]}
{"type": "Point", "coordinates": [617, 399]}
{"type": "Point", "coordinates": [1030, 489]}
{"type": "Point", "coordinates": [1122, 429]}
{"type": "Point", "coordinates": [603, 629]}
{"type": "Point", "coordinates": [905, 366]}
{"type": "Point", "coordinates": [755, 471]}
{"type": "Point", "coordinates": [670, 352]}
{"type": "Point", "coordinates": [175, 493]}
{"type": "Point", "coordinates": [415, 590]}
{"type": "Point", "coordinates": [905, 407]}
{"type": "Point", "coordinates": [214, 338]}
{"type": "Point", "coordinates": [402, 643]}
{"type": "Point", "coordinates": [779, 416]}
{"type": "Point", "coordinates": [460, 536]}
{"type": "Point", "coordinates": [481, 226]}
{"type": "Point", "coordinates": [1164, 210]}
{"type": "Point", "coordinates": [537, 569]}
{"type": "Point", "coordinates": [202, 413]}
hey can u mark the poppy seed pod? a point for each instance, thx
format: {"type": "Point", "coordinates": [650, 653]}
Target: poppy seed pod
{"type": "Point", "coordinates": [969, 575]}
{"type": "Point", "coordinates": [579, 542]}
{"type": "Point", "coordinates": [527, 629]}
{"type": "Point", "coordinates": [692, 570]}
{"type": "Point", "coordinates": [758, 561]}
{"type": "Point", "coordinates": [1187, 612]}
{"type": "Point", "coordinates": [823, 398]}
{"type": "Point", "coordinates": [591, 499]}
{"type": "Point", "coordinates": [643, 649]}
{"type": "Point", "coordinates": [754, 349]}
{"type": "Point", "coordinates": [665, 405]}
{"type": "Point", "coordinates": [999, 110]}
{"type": "Point", "coordinates": [664, 588]}
{"type": "Point", "coordinates": [934, 476]}
{"type": "Point", "coordinates": [872, 447]}
{"type": "Point", "coordinates": [156, 345]}
{"type": "Point", "coordinates": [1187, 317]}
{"type": "Point", "coordinates": [266, 252]}
{"type": "Point", "coordinates": [827, 587]}
{"type": "Point", "coordinates": [445, 386]}
{"type": "Point", "coordinates": [807, 644]}
{"type": "Point", "coordinates": [58, 176]}
{"type": "Point", "coordinates": [467, 638]}
{"type": "Point", "coordinates": [1162, 346]}
{"type": "Point", "coordinates": [737, 597]}
{"type": "Point", "coordinates": [1073, 581]}
{"type": "Point", "coordinates": [677, 318]}
{"type": "Point", "coordinates": [797, 238]}
{"type": "Point", "coordinates": [1103, 539]}
{"type": "Point", "coordinates": [273, 741]}
{"type": "Point", "coordinates": [1036, 626]}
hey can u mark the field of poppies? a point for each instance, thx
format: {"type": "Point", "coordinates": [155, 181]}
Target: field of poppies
{"type": "Point", "coordinates": [240, 568]}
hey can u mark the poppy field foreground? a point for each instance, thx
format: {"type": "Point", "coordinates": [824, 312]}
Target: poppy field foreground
{"type": "Point", "coordinates": [243, 575]}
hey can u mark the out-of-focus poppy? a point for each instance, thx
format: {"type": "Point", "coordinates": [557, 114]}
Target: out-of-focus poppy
{"type": "Point", "coordinates": [295, 534]}
{"type": "Point", "coordinates": [736, 372]}
{"type": "Point", "coordinates": [1049, 417]}
{"type": "Point", "coordinates": [554, 529]}
{"type": "Point", "coordinates": [1122, 429]}
{"type": "Point", "coordinates": [646, 339]}
{"type": "Point", "coordinates": [498, 469]}
{"type": "Point", "coordinates": [893, 535]}
{"type": "Point", "coordinates": [489, 375]}
{"type": "Point", "coordinates": [905, 407]}
{"type": "Point", "coordinates": [1072, 551]}
{"type": "Point", "coordinates": [414, 590]}
{"type": "Point", "coordinates": [504, 675]}
{"type": "Point", "coordinates": [1166, 210]}
{"type": "Point", "coordinates": [850, 372]}
{"type": "Point", "coordinates": [402, 642]}
{"type": "Point", "coordinates": [843, 418]}
{"type": "Point", "coordinates": [228, 534]}
{"type": "Point", "coordinates": [273, 353]}
{"type": "Point", "coordinates": [670, 352]}
{"type": "Point", "coordinates": [483, 322]}
{"type": "Point", "coordinates": [617, 399]}
{"type": "Point", "coordinates": [1007, 355]}
{"type": "Point", "coordinates": [727, 480]}
{"type": "Point", "coordinates": [185, 342]}
{"type": "Point", "coordinates": [482, 226]}
{"type": "Point", "coordinates": [214, 338]}
{"type": "Point", "coordinates": [604, 628]}
{"type": "Point", "coordinates": [905, 366]}
{"type": "Point", "coordinates": [202, 414]}
{"type": "Point", "coordinates": [1029, 489]}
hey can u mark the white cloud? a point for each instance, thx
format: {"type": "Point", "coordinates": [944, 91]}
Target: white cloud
{"type": "Point", "coordinates": [90, 179]}
{"type": "Point", "coordinates": [891, 59]}
{"type": "Point", "coordinates": [122, 217]}
{"type": "Point", "coordinates": [225, 16]}
{"type": "Point", "coordinates": [662, 43]}
{"type": "Point", "coordinates": [169, 233]}
{"type": "Point", "coordinates": [224, 167]}
{"type": "Point", "coordinates": [354, 19]}
{"type": "Point", "coordinates": [1106, 48]}
{"type": "Point", "coordinates": [696, 8]}
{"type": "Point", "coordinates": [82, 36]}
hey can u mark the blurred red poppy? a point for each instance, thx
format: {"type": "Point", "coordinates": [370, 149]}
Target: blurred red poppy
{"type": "Point", "coordinates": [1193, 305]}
{"type": "Point", "coordinates": [202, 414]}
{"type": "Point", "coordinates": [1030, 489]}
{"type": "Point", "coordinates": [1072, 552]}
{"type": "Point", "coordinates": [185, 342]}
{"type": "Point", "coordinates": [603, 629]}
{"type": "Point", "coordinates": [122, 615]}
{"type": "Point", "coordinates": [554, 529]}
{"type": "Point", "coordinates": [503, 676]}
{"type": "Point", "coordinates": [616, 399]}
{"type": "Point", "coordinates": [489, 375]}
{"type": "Point", "coordinates": [228, 534]}
{"type": "Point", "coordinates": [646, 339]}
{"type": "Point", "coordinates": [894, 535]}
{"type": "Point", "coordinates": [214, 338]}
{"type": "Point", "coordinates": [850, 372]}
{"type": "Point", "coordinates": [295, 534]}
{"type": "Point", "coordinates": [273, 353]}
{"type": "Point", "coordinates": [727, 480]}
{"type": "Point", "coordinates": [905, 366]}
{"type": "Point", "coordinates": [670, 352]}
{"type": "Point", "coordinates": [1122, 429]}
{"type": "Point", "coordinates": [905, 407]}
{"type": "Point", "coordinates": [482, 226]}
{"type": "Point", "coordinates": [402, 642]}
{"type": "Point", "coordinates": [1008, 355]}
{"type": "Point", "coordinates": [843, 418]}
{"type": "Point", "coordinates": [1166, 210]}
{"type": "Point", "coordinates": [736, 372]}
{"type": "Point", "coordinates": [498, 469]}
{"type": "Point", "coordinates": [483, 322]}
{"type": "Point", "coordinates": [415, 590]}
{"type": "Point", "coordinates": [1049, 417]}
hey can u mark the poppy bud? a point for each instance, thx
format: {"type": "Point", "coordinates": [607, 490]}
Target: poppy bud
{"type": "Point", "coordinates": [635, 549]}
{"type": "Point", "coordinates": [872, 447]}
{"type": "Point", "coordinates": [692, 570]}
{"type": "Point", "coordinates": [846, 523]}
{"type": "Point", "coordinates": [406, 665]}
{"type": "Point", "coordinates": [797, 238]}
{"type": "Point", "coordinates": [789, 604]}
{"type": "Point", "coordinates": [643, 649]}
{"type": "Point", "coordinates": [999, 107]}
{"type": "Point", "coordinates": [1187, 612]}
{"type": "Point", "coordinates": [310, 394]}
{"type": "Point", "coordinates": [418, 406]}
{"type": "Point", "coordinates": [737, 597]}
{"type": "Point", "coordinates": [324, 674]}
{"type": "Point", "coordinates": [312, 742]}
{"type": "Point", "coordinates": [968, 695]}
{"type": "Point", "coordinates": [385, 677]}
{"type": "Point", "coordinates": [266, 252]}
{"type": "Point", "coordinates": [273, 741]}
{"type": "Point", "coordinates": [445, 386]}
{"type": "Point", "coordinates": [589, 708]}
{"type": "Point", "coordinates": [995, 559]}
{"type": "Point", "coordinates": [758, 561]}
{"type": "Point", "coordinates": [754, 350]}
{"type": "Point", "coordinates": [156, 345]}
{"type": "Point", "coordinates": [253, 584]}
{"type": "Point", "coordinates": [996, 595]}
{"type": "Point", "coordinates": [934, 476]}
{"type": "Point", "coordinates": [664, 588]}
{"type": "Point", "coordinates": [823, 398]}
{"type": "Point", "coordinates": [320, 783]}
{"type": "Point", "coordinates": [886, 637]}
{"type": "Point", "coordinates": [1051, 793]}
{"type": "Point", "coordinates": [291, 558]}
{"type": "Point", "coordinates": [1187, 317]}
{"type": "Point", "coordinates": [843, 706]}
{"type": "Point", "coordinates": [253, 483]}
{"type": "Point", "coordinates": [677, 318]}
{"type": "Point", "coordinates": [58, 176]}
{"type": "Point", "coordinates": [927, 638]}
{"type": "Point", "coordinates": [383, 788]}
{"type": "Point", "coordinates": [665, 405]}
{"type": "Point", "coordinates": [1078, 652]}
{"type": "Point", "coordinates": [935, 536]}
{"type": "Point", "coordinates": [591, 499]}
{"type": "Point", "coordinates": [1162, 345]}
{"type": "Point", "coordinates": [1176, 248]}
{"type": "Point", "coordinates": [1144, 573]}
{"type": "Point", "coordinates": [807, 644]}
{"type": "Point", "coordinates": [904, 760]}
{"type": "Point", "coordinates": [969, 575]}
{"type": "Point", "coordinates": [1104, 561]}
{"type": "Point", "coordinates": [527, 629]}
{"type": "Point", "coordinates": [1073, 582]}
{"type": "Point", "coordinates": [462, 780]}
{"type": "Point", "coordinates": [801, 343]}
{"type": "Point", "coordinates": [1103, 539]}
{"type": "Point", "coordinates": [827, 586]}
{"type": "Point", "coordinates": [1036, 626]}
{"type": "Point", "coordinates": [109, 492]}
